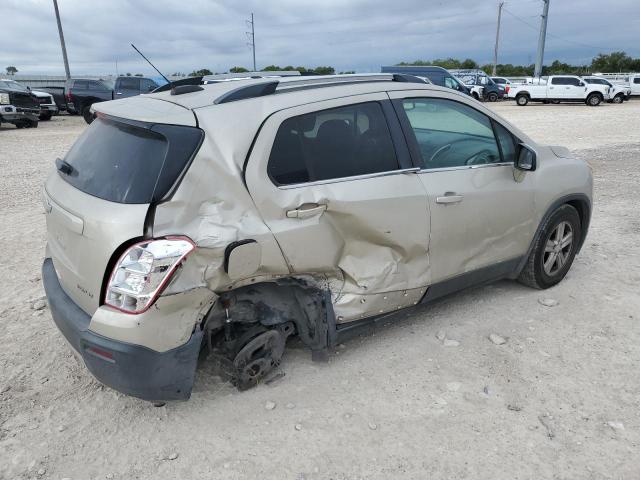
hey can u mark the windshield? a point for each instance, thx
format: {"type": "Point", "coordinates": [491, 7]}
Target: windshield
{"type": "Point", "coordinates": [13, 85]}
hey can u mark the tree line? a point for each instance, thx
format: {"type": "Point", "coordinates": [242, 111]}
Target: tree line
{"type": "Point", "coordinates": [611, 62]}
{"type": "Point", "coordinates": [271, 68]}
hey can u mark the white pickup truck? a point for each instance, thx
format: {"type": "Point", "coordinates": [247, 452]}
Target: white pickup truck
{"type": "Point", "coordinates": [634, 83]}
{"type": "Point", "coordinates": [617, 93]}
{"type": "Point", "coordinates": [560, 88]}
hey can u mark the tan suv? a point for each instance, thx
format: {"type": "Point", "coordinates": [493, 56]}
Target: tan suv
{"type": "Point", "coordinates": [224, 218]}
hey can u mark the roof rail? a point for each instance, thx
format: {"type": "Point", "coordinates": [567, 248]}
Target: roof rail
{"type": "Point", "coordinates": [252, 90]}
{"type": "Point", "coordinates": [245, 75]}
{"type": "Point", "coordinates": [261, 89]}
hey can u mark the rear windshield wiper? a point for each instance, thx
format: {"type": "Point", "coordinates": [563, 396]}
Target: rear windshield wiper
{"type": "Point", "coordinates": [64, 167]}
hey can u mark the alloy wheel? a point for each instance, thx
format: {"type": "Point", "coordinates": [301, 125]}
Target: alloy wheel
{"type": "Point", "coordinates": [558, 248]}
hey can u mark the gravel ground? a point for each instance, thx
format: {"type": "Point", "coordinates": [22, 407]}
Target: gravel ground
{"type": "Point", "coordinates": [560, 399]}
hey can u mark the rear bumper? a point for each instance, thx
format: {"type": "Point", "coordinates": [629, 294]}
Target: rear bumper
{"type": "Point", "coordinates": [131, 369]}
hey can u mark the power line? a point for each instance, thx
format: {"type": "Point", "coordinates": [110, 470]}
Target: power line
{"type": "Point", "coordinates": [557, 37]}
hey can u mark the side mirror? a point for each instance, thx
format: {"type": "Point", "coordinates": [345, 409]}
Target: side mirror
{"type": "Point", "coordinates": [526, 158]}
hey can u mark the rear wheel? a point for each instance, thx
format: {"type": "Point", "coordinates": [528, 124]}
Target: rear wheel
{"type": "Point", "coordinates": [492, 97]}
{"type": "Point", "coordinates": [619, 98]}
{"type": "Point", "coordinates": [45, 116]}
{"type": "Point", "coordinates": [522, 100]}
{"type": "Point", "coordinates": [594, 100]}
{"type": "Point", "coordinates": [554, 250]}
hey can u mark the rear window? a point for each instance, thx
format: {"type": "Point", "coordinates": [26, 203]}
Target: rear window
{"type": "Point", "coordinates": [130, 162]}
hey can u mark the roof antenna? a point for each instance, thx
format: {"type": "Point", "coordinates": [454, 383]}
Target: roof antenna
{"type": "Point", "coordinates": [154, 67]}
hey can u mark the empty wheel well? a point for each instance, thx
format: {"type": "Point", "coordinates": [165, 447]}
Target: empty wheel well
{"type": "Point", "coordinates": [270, 304]}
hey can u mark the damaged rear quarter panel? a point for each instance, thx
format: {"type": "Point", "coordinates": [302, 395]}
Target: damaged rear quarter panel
{"type": "Point", "coordinates": [213, 208]}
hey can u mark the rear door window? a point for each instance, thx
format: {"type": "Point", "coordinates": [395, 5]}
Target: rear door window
{"type": "Point", "coordinates": [130, 84]}
{"type": "Point", "coordinates": [330, 144]}
{"type": "Point", "coordinates": [95, 85]}
{"type": "Point", "coordinates": [147, 85]}
{"type": "Point", "coordinates": [559, 81]}
{"type": "Point", "coordinates": [130, 162]}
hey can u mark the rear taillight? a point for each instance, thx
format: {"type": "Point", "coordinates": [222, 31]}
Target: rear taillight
{"type": "Point", "coordinates": [507, 88]}
{"type": "Point", "coordinates": [69, 96]}
{"type": "Point", "coordinates": [142, 272]}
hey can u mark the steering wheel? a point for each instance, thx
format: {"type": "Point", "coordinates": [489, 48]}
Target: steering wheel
{"type": "Point", "coordinates": [447, 147]}
{"type": "Point", "coordinates": [480, 158]}
{"type": "Point", "coordinates": [442, 149]}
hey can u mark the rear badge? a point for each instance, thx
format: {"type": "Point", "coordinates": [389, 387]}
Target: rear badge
{"type": "Point", "coordinates": [84, 290]}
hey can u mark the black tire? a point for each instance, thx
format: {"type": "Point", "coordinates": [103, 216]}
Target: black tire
{"type": "Point", "coordinates": [619, 98]}
{"type": "Point", "coordinates": [594, 99]}
{"type": "Point", "coordinates": [492, 97]}
{"type": "Point", "coordinates": [522, 100]}
{"type": "Point", "coordinates": [45, 116]}
{"type": "Point", "coordinates": [534, 274]}
{"type": "Point", "coordinates": [88, 116]}
{"type": "Point", "coordinates": [33, 124]}
{"type": "Point", "coordinates": [555, 102]}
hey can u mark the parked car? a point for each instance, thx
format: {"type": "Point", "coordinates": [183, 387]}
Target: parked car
{"type": "Point", "coordinates": [617, 93]}
{"type": "Point", "coordinates": [437, 76]}
{"type": "Point", "coordinates": [560, 88]}
{"type": "Point", "coordinates": [58, 96]}
{"type": "Point", "coordinates": [18, 105]}
{"type": "Point", "coordinates": [225, 218]}
{"type": "Point", "coordinates": [503, 84]}
{"type": "Point", "coordinates": [48, 107]}
{"type": "Point", "coordinates": [82, 93]}
{"type": "Point", "coordinates": [487, 91]}
{"type": "Point", "coordinates": [634, 84]}
{"type": "Point", "coordinates": [132, 86]}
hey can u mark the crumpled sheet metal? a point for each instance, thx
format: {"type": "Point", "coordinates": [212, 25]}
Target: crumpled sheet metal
{"type": "Point", "coordinates": [213, 208]}
{"type": "Point", "coordinates": [361, 249]}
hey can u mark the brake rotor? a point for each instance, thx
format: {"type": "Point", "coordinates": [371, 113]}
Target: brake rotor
{"type": "Point", "coordinates": [258, 357]}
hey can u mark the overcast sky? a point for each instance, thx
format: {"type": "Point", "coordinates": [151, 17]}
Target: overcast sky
{"type": "Point", "coordinates": [361, 35]}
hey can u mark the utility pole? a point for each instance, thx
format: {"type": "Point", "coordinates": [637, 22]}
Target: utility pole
{"type": "Point", "coordinates": [495, 50]}
{"type": "Point", "coordinates": [64, 48]}
{"type": "Point", "coordinates": [543, 36]}
{"type": "Point", "coordinates": [252, 43]}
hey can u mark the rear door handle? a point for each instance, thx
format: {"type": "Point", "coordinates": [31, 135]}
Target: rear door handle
{"type": "Point", "coordinates": [449, 197]}
{"type": "Point", "coordinates": [307, 210]}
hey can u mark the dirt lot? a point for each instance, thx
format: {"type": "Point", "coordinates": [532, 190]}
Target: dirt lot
{"type": "Point", "coordinates": [559, 400]}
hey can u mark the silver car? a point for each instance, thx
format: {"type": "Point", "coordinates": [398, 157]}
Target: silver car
{"type": "Point", "coordinates": [222, 219]}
